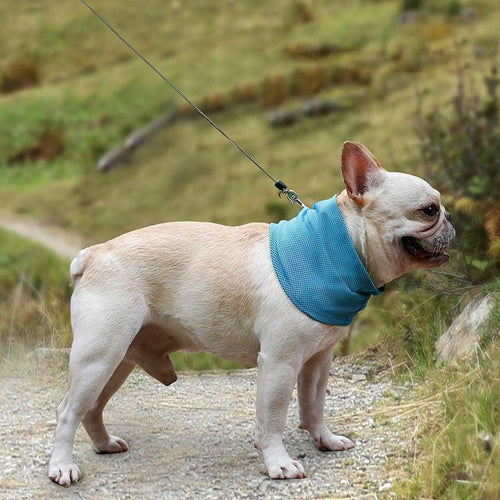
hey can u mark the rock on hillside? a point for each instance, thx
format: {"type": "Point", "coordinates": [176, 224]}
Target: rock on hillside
{"type": "Point", "coordinates": [463, 336]}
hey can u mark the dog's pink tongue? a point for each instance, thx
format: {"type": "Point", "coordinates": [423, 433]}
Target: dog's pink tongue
{"type": "Point", "coordinates": [439, 260]}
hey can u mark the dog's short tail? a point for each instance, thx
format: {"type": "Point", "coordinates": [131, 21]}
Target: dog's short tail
{"type": "Point", "coordinates": [78, 265]}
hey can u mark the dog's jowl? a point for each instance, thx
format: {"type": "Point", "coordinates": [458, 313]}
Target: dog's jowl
{"type": "Point", "coordinates": [277, 296]}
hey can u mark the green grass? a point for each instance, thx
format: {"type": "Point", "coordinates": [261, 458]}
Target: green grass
{"type": "Point", "coordinates": [95, 92]}
{"type": "Point", "coordinates": [459, 452]}
{"type": "Point", "coordinates": [459, 404]}
{"type": "Point", "coordinates": [459, 449]}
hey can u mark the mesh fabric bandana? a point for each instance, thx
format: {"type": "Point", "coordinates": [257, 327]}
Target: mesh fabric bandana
{"type": "Point", "coordinates": [318, 266]}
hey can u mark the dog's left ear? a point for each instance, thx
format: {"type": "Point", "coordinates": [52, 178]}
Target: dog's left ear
{"type": "Point", "coordinates": [360, 169]}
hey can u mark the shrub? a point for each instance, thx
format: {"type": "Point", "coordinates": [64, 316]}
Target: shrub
{"type": "Point", "coordinates": [454, 8]}
{"type": "Point", "coordinates": [213, 103]}
{"type": "Point", "coordinates": [186, 110]}
{"type": "Point", "coordinates": [461, 154]}
{"type": "Point", "coordinates": [316, 51]}
{"type": "Point", "coordinates": [410, 5]}
{"type": "Point", "coordinates": [302, 12]}
{"type": "Point", "coordinates": [18, 74]}
{"type": "Point", "coordinates": [274, 91]}
{"type": "Point", "coordinates": [352, 74]}
{"type": "Point", "coordinates": [49, 145]}
{"type": "Point", "coordinates": [244, 93]}
{"type": "Point", "coordinates": [309, 81]}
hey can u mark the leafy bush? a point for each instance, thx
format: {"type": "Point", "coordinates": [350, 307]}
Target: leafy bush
{"type": "Point", "coordinates": [461, 155]}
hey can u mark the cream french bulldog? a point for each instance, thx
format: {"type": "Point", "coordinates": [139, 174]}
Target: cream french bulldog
{"type": "Point", "coordinates": [277, 296]}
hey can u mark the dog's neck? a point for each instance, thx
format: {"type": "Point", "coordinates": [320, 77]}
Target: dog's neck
{"type": "Point", "coordinates": [367, 242]}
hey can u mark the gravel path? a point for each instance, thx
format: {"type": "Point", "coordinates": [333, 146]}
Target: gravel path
{"type": "Point", "coordinates": [194, 438]}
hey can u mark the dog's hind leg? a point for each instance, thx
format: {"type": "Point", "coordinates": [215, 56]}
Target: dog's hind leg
{"type": "Point", "coordinates": [102, 440]}
{"type": "Point", "coordinates": [146, 351]}
{"type": "Point", "coordinates": [102, 332]}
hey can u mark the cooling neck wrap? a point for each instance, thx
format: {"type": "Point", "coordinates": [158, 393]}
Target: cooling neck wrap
{"type": "Point", "coordinates": [318, 266]}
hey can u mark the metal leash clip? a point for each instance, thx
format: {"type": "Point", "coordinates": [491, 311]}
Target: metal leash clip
{"type": "Point", "coordinates": [289, 194]}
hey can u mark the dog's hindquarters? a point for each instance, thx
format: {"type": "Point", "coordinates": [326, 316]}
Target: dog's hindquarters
{"type": "Point", "coordinates": [106, 317]}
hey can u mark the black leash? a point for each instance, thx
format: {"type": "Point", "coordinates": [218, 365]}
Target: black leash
{"type": "Point", "coordinates": [290, 195]}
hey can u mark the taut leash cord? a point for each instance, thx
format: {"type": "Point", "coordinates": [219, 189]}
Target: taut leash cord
{"type": "Point", "coordinates": [290, 195]}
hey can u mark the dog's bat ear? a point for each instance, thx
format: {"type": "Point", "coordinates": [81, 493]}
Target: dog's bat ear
{"type": "Point", "coordinates": [360, 169]}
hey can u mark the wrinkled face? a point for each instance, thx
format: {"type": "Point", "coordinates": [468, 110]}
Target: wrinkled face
{"type": "Point", "coordinates": [412, 220]}
{"type": "Point", "coordinates": [404, 225]}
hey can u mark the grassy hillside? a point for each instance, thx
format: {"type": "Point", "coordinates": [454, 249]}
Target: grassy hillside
{"type": "Point", "coordinates": [92, 92]}
{"type": "Point", "coordinates": [70, 91]}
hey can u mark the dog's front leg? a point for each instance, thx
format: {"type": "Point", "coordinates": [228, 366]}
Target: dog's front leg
{"type": "Point", "coordinates": [312, 382]}
{"type": "Point", "coordinates": [275, 384]}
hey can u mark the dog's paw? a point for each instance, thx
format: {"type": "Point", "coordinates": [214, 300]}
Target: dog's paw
{"type": "Point", "coordinates": [285, 468]}
{"type": "Point", "coordinates": [327, 441]}
{"type": "Point", "coordinates": [64, 474]}
{"type": "Point", "coordinates": [113, 445]}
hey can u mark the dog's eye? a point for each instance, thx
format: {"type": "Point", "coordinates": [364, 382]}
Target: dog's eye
{"type": "Point", "coordinates": [431, 210]}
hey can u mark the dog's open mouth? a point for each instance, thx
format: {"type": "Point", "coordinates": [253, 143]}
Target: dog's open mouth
{"type": "Point", "coordinates": [415, 250]}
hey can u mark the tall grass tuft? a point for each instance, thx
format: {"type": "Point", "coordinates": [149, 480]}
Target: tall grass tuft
{"type": "Point", "coordinates": [34, 296]}
{"type": "Point", "coordinates": [460, 450]}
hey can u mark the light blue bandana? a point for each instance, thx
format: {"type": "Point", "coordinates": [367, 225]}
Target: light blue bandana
{"type": "Point", "coordinates": [318, 266]}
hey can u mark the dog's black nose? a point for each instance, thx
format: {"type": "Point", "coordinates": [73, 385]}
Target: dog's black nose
{"type": "Point", "coordinates": [447, 216]}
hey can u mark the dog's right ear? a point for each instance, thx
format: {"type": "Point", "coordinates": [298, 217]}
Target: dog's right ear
{"type": "Point", "coordinates": [360, 169]}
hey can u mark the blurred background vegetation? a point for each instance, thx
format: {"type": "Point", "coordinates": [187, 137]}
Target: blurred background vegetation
{"type": "Point", "coordinates": [414, 80]}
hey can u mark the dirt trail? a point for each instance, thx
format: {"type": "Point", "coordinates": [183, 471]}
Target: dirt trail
{"type": "Point", "coordinates": [61, 242]}
{"type": "Point", "coordinates": [194, 439]}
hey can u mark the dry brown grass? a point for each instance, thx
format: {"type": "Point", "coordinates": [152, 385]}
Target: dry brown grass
{"type": "Point", "coordinates": [274, 91]}
{"type": "Point", "coordinates": [50, 144]}
{"type": "Point", "coordinates": [18, 74]}
{"type": "Point", "coordinates": [302, 12]}
{"type": "Point", "coordinates": [245, 93]}
{"type": "Point", "coordinates": [310, 80]}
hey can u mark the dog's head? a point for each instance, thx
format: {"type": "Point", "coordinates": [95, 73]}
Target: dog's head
{"type": "Point", "coordinates": [405, 225]}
